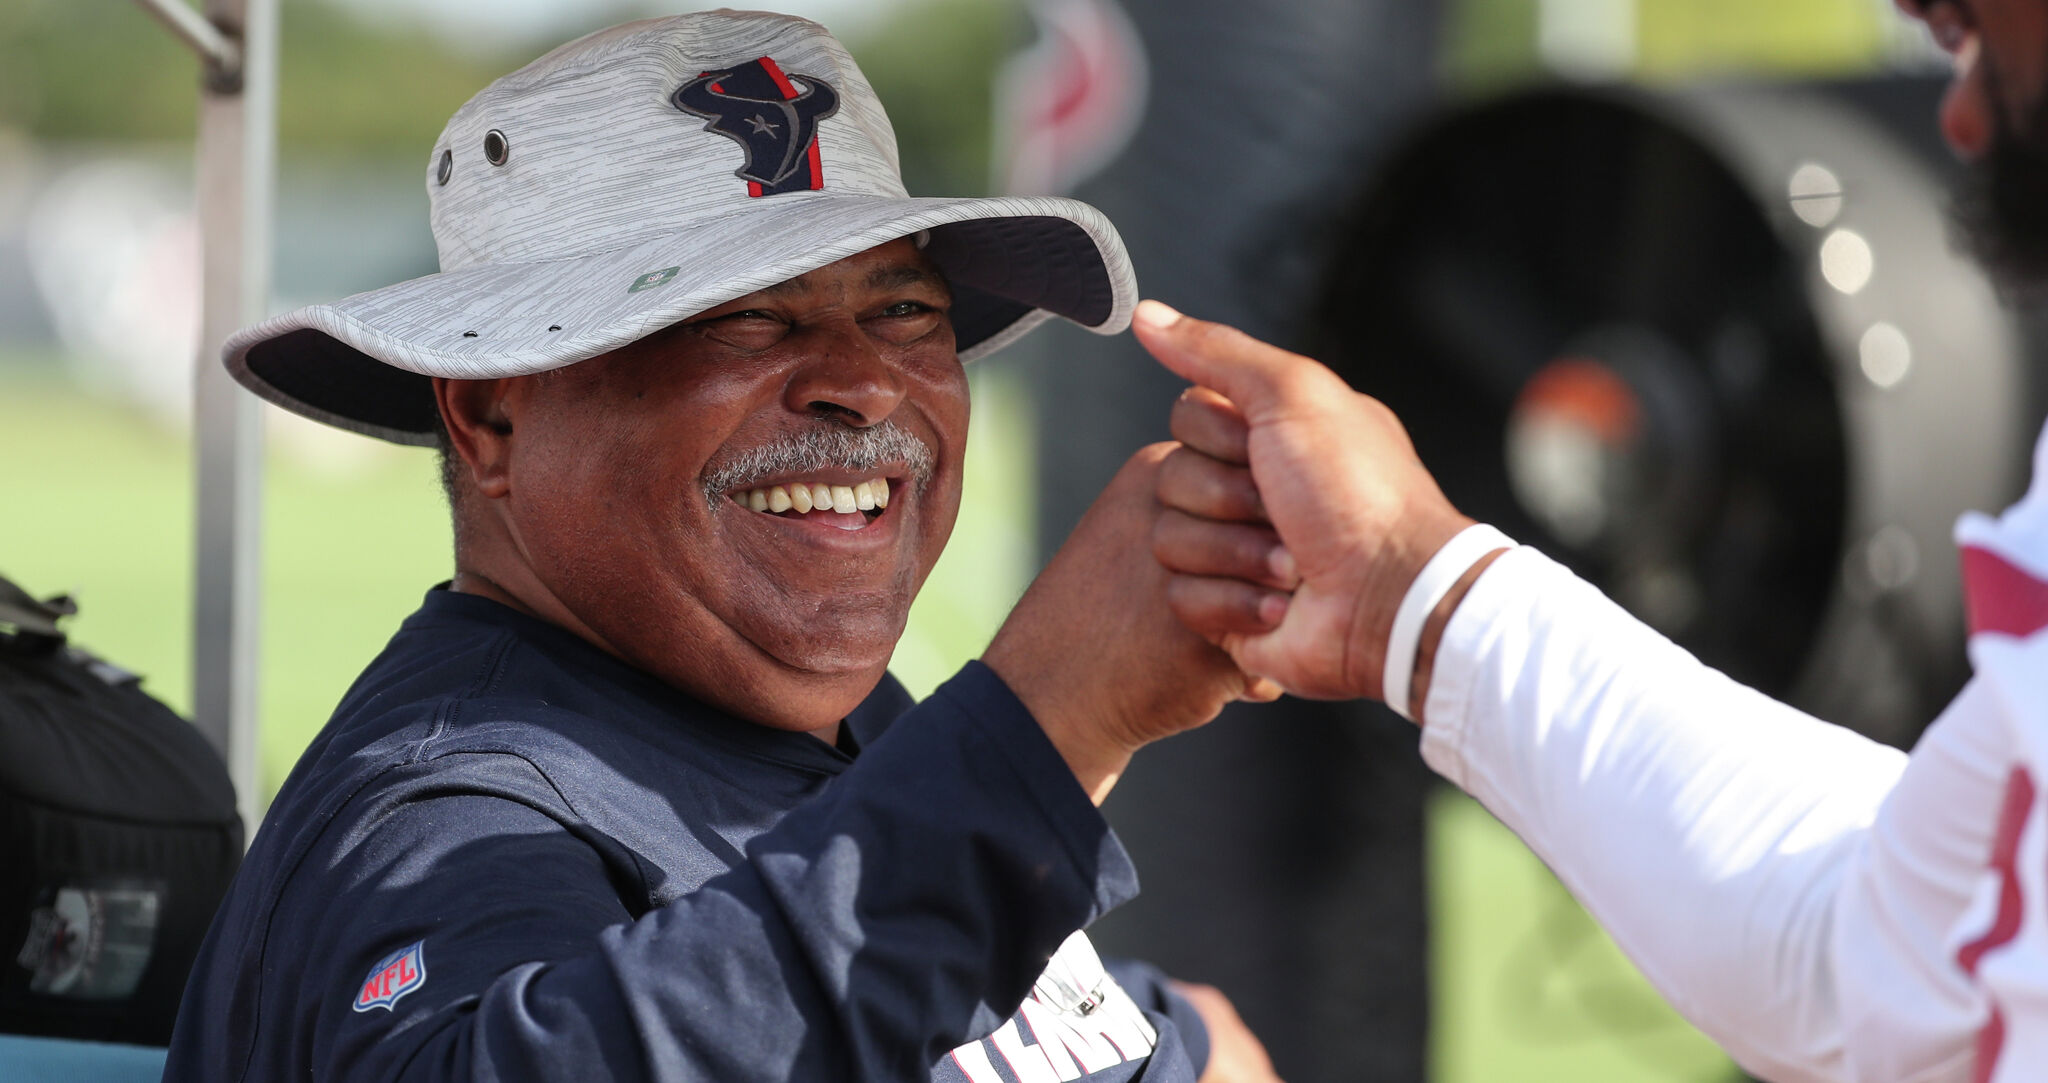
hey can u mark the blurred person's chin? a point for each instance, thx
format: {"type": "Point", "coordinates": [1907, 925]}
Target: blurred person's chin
{"type": "Point", "coordinates": [2002, 207]}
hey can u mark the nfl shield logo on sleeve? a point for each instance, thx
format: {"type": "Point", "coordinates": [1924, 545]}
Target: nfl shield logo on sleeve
{"type": "Point", "coordinates": [395, 975]}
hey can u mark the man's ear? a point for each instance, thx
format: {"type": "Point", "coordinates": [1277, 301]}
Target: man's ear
{"type": "Point", "coordinates": [479, 430]}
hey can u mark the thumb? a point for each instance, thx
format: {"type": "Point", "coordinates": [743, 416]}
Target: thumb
{"type": "Point", "coordinates": [1256, 376]}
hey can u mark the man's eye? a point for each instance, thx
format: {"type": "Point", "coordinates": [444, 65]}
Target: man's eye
{"type": "Point", "coordinates": [907, 308]}
{"type": "Point", "coordinates": [747, 329]}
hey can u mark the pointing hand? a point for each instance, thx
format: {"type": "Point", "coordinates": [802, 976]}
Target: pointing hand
{"type": "Point", "coordinates": [1297, 512]}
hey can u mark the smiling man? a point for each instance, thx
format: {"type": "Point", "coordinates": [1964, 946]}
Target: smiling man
{"type": "Point", "coordinates": [635, 797]}
{"type": "Point", "coordinates": [779, 474]}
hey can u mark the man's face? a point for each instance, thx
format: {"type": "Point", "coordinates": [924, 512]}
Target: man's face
{"type": "Point", "coordinates": [631, 475]}
{"type": "Point", "coordinates": [1995, 115]}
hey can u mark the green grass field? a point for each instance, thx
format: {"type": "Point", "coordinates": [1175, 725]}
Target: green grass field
{"type": "Point", "coordinates": [96, 498]}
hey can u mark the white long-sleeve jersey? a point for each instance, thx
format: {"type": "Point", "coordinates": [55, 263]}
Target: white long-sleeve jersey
{"type": "Point", "coordinates": [1824, 907]}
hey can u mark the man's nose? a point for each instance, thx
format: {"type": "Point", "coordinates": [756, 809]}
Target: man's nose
{"type": "Point", "coordinates": [843, 377]}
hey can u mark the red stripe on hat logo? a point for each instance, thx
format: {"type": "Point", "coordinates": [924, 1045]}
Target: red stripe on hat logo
{"type": "Point", "coordinates": [774, 71]}
{"type": "Point", "coordinates": [2003, 598]}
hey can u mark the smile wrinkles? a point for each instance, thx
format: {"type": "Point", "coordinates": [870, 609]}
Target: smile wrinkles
{"type": "Point", "coordinates": [825, 447]}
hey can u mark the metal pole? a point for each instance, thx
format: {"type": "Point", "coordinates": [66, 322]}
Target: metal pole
{"type": "Point", "coordinates": [216, 49]}
{"type": "Point", "coordinates": [236, 170]}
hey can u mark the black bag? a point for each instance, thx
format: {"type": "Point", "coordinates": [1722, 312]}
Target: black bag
{"type": "Point", "coordinates": [118, 836]}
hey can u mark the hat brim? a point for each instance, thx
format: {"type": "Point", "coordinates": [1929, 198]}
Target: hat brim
{"type": "Point", "coordinates": [363, 363]}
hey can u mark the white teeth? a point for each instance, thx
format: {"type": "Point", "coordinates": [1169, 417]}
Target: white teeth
{"type": "Point", "coordinates": [870, 495]}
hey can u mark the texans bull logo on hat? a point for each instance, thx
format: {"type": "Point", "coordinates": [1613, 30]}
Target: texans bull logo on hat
{"type": "Point", "coordinates": [583, 202]}
{"type": "Point", "coordinates": [763, 111]}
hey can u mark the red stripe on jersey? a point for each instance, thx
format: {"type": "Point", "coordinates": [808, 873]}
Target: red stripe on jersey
{"type": "Point", "coordinates": [1990, 1041]}
{"type": "Point", "coordinates": [2003, 598]}
{"type": "Point", "coordinates": [781, 80]}
{"type": "Point", "coordinates": [2012, 816]}
{"type": "Point", "coordinates": [817, 167]}
{"type": "Point", "coordinates": [2012, 821]}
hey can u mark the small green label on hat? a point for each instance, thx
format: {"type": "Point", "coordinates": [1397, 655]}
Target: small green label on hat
{"type": "Point", "coordinates": [654, 278]}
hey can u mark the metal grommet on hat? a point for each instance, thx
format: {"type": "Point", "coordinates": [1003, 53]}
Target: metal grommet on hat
{"type": "Point", "coordinates": [495, 148]}
{"type": "Point", "coordinates": [447, 167]}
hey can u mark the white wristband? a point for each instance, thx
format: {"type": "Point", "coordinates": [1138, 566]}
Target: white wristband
{"type": "Point", "coordinates": [1436, 580]}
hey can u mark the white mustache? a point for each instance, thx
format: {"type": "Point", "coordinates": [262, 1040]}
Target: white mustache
{"type": "Point", "coordinates": [860, 451]}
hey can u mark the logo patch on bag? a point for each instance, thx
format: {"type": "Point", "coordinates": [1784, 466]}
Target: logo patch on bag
{"type": "Point", "coordinates": [395, 975]}
{"type": "Point", "coordinates": [759, 107]}
{"type": "Point", "coordinates": [91, 940]}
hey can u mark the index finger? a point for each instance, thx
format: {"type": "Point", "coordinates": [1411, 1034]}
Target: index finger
{"type": "Point", "coordinates": [1262, 379]}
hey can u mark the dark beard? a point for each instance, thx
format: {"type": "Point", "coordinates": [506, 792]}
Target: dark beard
{"type": "Point", "coordinates": [2002, 205]}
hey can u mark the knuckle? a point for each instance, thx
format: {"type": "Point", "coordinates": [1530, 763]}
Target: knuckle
{"type": "Point", "coordinates": [1248, 552]}
{"type": "Point", "coordinates": [1150, 456]}
{"type": "Point", "coordinates": [1183, 597]}
{"type": "Point", "coordinates": [1241, 491]}
{"type": "Point", "coordinates": [1304, 382]}
{"type": "Point", "coordinates": [1142, 468]}
{"type": "Point", "coordinates": [1173, 470]}
{"type": "Point", "coordinates": [1199, 481]}
{"type": "Point", "coordinates": [1185, 480]}
{"type": "Point", "coordinates": [1166, 546]}
{"type": "Point", "coordinates": [1226, 496]}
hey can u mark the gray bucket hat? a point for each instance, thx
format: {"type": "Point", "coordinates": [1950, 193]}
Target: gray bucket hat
{"type": "Point", "coordinates": [644, 174]}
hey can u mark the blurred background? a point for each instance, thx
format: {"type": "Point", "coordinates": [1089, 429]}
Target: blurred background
{"type": "Point", "coordinates": [1661, 285]}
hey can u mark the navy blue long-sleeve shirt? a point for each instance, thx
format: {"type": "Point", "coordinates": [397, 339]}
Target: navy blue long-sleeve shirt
{"type": "Point", "coordinates": [510, 856]}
